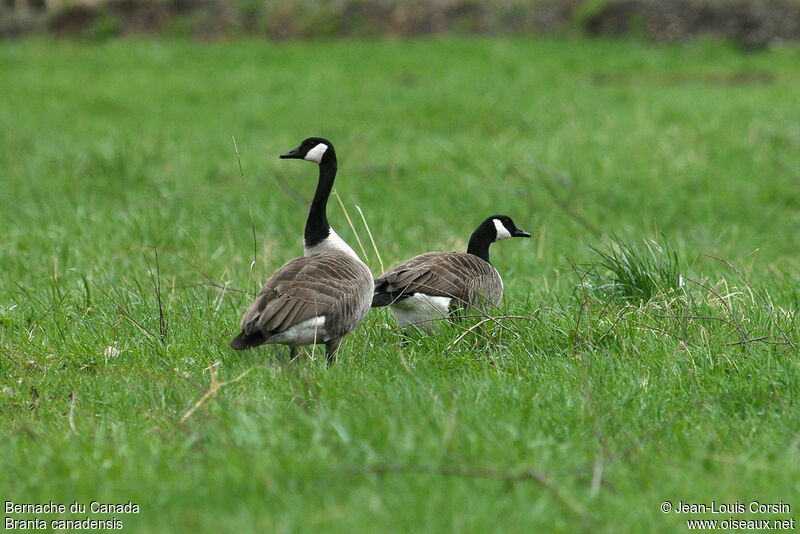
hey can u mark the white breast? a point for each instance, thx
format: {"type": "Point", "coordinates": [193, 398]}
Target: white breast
{"type": "Point", "coordinates": [502, 285]}
{"type": "Point", "coordinates": [420, 310]}
{"type": "Point", "coordinates": [332, 243]}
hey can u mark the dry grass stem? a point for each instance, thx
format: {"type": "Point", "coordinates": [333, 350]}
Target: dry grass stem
{"type": "Point", "coordinates": [457, 471]}
{"type": "Point", "coordinates": [372, 240]}
{"type": "Point", "coordinates": [216, 385]}
{"type": "Point", "coordinates": [73, 401]}
{"type": "Point", "coordinates": [252, 221]}
{"type": "Point", "coordinates": [350, 222]}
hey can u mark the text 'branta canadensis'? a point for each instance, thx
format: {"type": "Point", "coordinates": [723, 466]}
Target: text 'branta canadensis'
{"type": "Point", "coordinates": [320, 297]}
{"type": "Point", "coordinates": [434, 285]}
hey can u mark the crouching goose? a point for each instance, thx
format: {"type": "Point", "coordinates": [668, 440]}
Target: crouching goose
{"type": "Point", "coordinates": [320, 297]}
{"type": "Point", "coordinates": [436, 284]}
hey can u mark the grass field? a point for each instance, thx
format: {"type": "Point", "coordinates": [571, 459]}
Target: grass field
{"type": "Point", "coordinates": [577, 410]}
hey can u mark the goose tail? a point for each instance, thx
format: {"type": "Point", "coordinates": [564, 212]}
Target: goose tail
{"type": "Point", "coordinates": [247, 341]}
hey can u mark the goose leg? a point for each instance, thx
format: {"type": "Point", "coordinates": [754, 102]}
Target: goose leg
{"type": "Point", "coordinates": [292, 352]}
{"type": "Point", "coordinates": [330, 349]}
{"type": "Point", "coordinates": [405, 339]}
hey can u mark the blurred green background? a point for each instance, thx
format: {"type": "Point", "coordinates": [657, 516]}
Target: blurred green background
{"type": "Point", "coordinates": [126, 251]}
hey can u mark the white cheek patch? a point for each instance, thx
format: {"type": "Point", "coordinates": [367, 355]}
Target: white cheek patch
{"type": "Point", "coordinates": [315, 154]}
{"type": "Point", "coordinates": [502, 231]}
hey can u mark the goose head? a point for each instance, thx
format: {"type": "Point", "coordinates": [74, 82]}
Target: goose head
{"type": "Point", "coordinates": [314, 149]}
{"type": "Point", "coordinates": [502, 227]}
{"type": "Point", "coordinates": [494, 228]}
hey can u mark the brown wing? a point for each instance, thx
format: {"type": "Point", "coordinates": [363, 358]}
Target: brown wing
{"type": "Point", "coordinates": [462, 276]}
{"type": "Point", "coordinates": [307, 287]}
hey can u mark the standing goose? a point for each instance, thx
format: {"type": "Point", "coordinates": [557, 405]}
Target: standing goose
{"type": "Point", "coordinates": [436, 284]}
{"type": "Point", "coordinates": [320, 297]}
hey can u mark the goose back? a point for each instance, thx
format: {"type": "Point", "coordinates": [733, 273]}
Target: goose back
{"type": "Point", "coordinates": [464, 278]}
{"type": "Point", "coordinates": [335, 286]}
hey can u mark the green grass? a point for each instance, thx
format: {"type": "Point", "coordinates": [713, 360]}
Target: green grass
{"type": "Point", "coordinates": [637, 273]}
{"type": "Point", "coordinates": [574, 411]}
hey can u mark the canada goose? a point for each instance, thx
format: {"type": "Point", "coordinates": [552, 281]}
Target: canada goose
{"type": "Point", "coordinates": [320, 297]}
{"type": "Point", "coordinates": [436, 284]}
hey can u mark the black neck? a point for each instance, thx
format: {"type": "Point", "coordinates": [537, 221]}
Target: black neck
{"type": "Point", "coordinates": [479, 243]}
{"type": "Point", "coordinates": [317, 227]}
